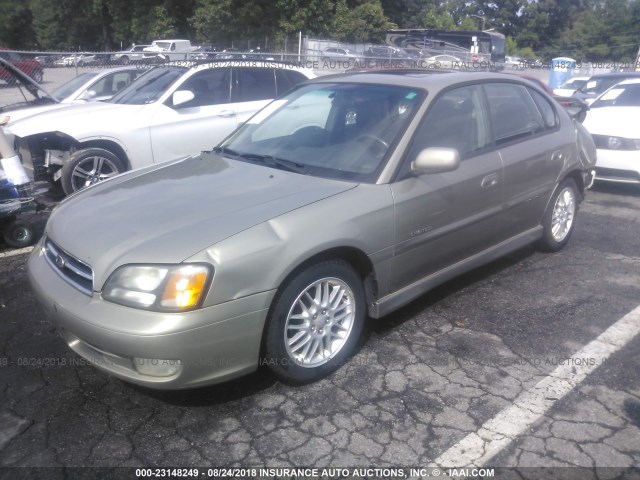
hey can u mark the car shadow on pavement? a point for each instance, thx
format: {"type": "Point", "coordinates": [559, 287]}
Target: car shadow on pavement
{"type": "Point", "coordinates": [222, 393]}
{"type": "Point", "coordinates": [629, 189]}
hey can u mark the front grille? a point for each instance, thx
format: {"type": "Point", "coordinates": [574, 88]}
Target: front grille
{"type": "Point", "coordinates": [72, 270]}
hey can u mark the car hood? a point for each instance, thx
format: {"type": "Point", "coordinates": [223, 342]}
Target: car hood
{"type": "Point", "coordinates": [168, 213]}
{"type": "Point", "coordinates": [614, 121]}
{"type": "Point", "coordinates": [75, 119]}
{"type": "Point", "coordinates": [34, 93]}
{"type": "Point", "coordinates": [30, 110]}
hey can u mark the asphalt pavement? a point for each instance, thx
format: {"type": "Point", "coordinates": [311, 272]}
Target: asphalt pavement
{"type": "Point", "coordinates": [527, 365]}
{"type": "Point", "coordinates": [452, 380]}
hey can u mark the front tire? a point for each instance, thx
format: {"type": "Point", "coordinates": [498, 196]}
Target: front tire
{"type": "Point", "coordinates": [89, 166]}
{"type": "Point", "coordinates": [315, 323]}
{"type": "Point", "coordinates": [559, 219]}
{"type": "Point", "coordinates": [19, 234]}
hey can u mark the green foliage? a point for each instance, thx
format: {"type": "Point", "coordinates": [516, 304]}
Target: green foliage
{"type": "Point", "coordinates": [585, 29]}
{"type": "Point", "coordinates": [16, 25]}
{"type": "Point", "coordinates": [363, 23]}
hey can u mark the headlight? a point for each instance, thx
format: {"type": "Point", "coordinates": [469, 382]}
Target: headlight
{"type": "Point", "coordinates": [620, 143]}
{"type": "Point", "coordinates": [614, 143]}
{"type": "Point", "coordinates": [162, 288]}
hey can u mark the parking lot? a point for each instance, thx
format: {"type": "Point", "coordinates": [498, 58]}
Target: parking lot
{"type": "Point", "coordinates": [527, 363]}
{"type": "Point", "coordinates": [460, 377]}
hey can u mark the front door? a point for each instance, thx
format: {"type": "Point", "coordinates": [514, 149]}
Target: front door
{"type": "Point", "coordinates": [446, 217]}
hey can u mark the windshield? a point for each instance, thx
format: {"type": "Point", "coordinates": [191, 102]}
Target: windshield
{"type": "Point", "coordinates": [620, 96]}
{"type": "Point", "coordinates": [598, 85]}
{"type": "Point", "coordinates": [71, 86]}
{"type": "Point", "coordinates": [573, 83]}
{"type": "Point", "coordinates": [150, 86]}
{"type": "Point", "coordinates": [342, 131]}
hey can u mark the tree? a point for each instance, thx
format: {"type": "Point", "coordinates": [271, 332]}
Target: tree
{"type": "Point", "coordinates": [16, 25]}
{"type": "Point", "coordinates": [364, 23]}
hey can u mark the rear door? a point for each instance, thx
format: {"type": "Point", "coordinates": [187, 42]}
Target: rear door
{"type": "Point", "coordinates": [445, 217]}
{"type": "Point", "coordinates": [252, 89]}
{"type": "Point", "coordinates": [533, 150]}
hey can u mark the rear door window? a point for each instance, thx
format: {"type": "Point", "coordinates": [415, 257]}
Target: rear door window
{"type": "Point", "coordinates": [514, 114]}
{"type": "Point", "coordinates": [254, 84]}
{"type": "Point", "coordinates": [287, 79]}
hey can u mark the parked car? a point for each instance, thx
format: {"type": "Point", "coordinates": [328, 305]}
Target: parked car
{"type": "Point", "coordinates": [31, 93]}
{"type": "Point", "coordinates": [349, 197]}
{"type": "Point", "coordinates": [569, 87]}
{"type": "Point", "coordinates": [204, 52]}
{"type": "Point", "coordinates": [444, 61]}
{"type": "Point", "coordinates": [83, 60]}
{"type": "Point", "coordinates": [613, 123]}
{"type": "Point", "coordinates": [338, 54]}
{"type": "Point", "coordinates": [599, 83]}
{"type": "Point", "coordinates": [30, 66]}
{"type": "Point", "coordinates": [168, 50]}
{"type": "Point", "coordinates": [132, 55]}
{"type": "Point", "coordinates": [167, 112]}
{"type": "Point", "coordinates": [514, 63]}
{"type": "Point", "coordinates": [97, 85]}
{"type": "Point", "coordinates": [385, 52]}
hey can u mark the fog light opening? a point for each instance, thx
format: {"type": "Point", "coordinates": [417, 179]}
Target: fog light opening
{"type": "Point", "coordinates": [157, 367]}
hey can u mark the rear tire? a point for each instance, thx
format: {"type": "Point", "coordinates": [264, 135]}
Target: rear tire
{"type": "Point", "coordinates": [38, 76]}
{"type": "Point", "coordinates": [559, 219]}
{"type": "Point", "coordinates": [315, 322]}
{"type": "Point", "coordinates": [89, 166]}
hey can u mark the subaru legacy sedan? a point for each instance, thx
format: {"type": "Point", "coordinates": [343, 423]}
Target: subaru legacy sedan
{"type": "Point", "coordinates": [347, 198]}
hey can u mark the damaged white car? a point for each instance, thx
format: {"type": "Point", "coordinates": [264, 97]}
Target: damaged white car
{"type": "Point", "coordinates": [167, 113]}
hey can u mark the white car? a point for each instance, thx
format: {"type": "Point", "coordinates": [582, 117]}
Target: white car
{"type": "Point", "coordinates": [169, 112]}
{"type": "Point", "coordinates": [613, 123]}
{"type": "Point", "coordinates": [96, 85]}
{"type": "Point", "coordinates": [133, 54]}
{"type": "Point", "coordinates": [569, 87]}
{"type": "Point", "coordinates": [444, 61]}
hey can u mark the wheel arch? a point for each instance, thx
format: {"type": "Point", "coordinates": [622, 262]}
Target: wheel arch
{"type": "Point", "coordinates": [354, 256]}
{"type": "Point", "coordinates": [110, 145]}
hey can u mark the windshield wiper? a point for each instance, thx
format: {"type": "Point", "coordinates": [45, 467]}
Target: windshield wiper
{"type": "Point", "coordinates": [227, 152]}
{"type": "Point", "coordinates": [270, 160]}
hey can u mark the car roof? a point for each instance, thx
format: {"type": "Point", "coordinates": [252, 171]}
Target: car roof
{"type": "Point", "coordinates": [616, 75]}
{"type": "Point", "coordinates": [630, 81]}
{"type": "Point", "coordinates": [215, 63]}
{"type": "Point", "coordinates": [436, 79]}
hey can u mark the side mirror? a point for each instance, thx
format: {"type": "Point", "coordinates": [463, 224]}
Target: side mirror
{"type": "Point", "coordinates": [182, 96]}
{"type": "Point", "coordinates": [436, 160]}
{"type": "Point", "coordinates": [89, 95]}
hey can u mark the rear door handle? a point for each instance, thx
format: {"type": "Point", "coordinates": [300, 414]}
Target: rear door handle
{"type": "Point", "coordinates": [490, 180]}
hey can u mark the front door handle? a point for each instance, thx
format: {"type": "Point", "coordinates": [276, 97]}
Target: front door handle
{"type": "Point", "coordinates": [224, 113]}
{"type": "Point", "coordinates": [490, 180]}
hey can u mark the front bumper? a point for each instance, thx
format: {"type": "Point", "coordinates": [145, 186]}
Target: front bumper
{"type": "Point", "coordinates": [620, 166]}
{"type": "Point", "coordinates": [209, 345]}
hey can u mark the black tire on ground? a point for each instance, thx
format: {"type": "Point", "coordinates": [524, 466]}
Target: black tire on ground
{"type": "Point", "coordinates": [124, 60]}
{"type": "Point", "coordinates": [315, 322]}
{"type": "Point", "coordinates": [19, 234]}
{"type": "Point", "coordinates": [89, 166]}
{"type": "Point", "coordinates": [559, 219]}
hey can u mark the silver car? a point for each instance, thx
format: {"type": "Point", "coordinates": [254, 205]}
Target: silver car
{"type": "Point", "coordinates": [346, 199]}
